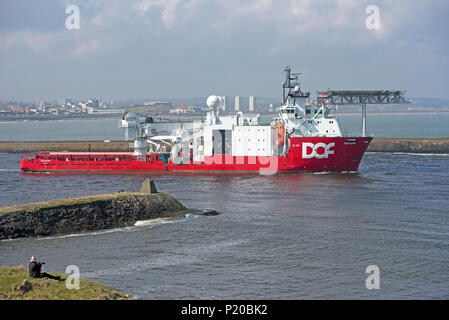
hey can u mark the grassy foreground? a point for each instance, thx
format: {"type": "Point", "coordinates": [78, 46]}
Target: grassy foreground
{"type": "Point", "coordinates": [16, 284]}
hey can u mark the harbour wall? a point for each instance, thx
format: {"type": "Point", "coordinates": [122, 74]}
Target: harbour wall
{"type": "Point", "coordinates": [103, 211]}
{"type": "Point", "coordinates": [413, 145]}
{"type": "Point", "coordinates": [37, 146]}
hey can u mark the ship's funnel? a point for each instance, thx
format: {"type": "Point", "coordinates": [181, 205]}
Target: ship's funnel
{"type": "Point", "coordinates": [214, 101]}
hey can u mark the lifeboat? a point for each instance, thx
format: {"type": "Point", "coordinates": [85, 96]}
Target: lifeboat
{"type": "Point", "coordinates": [280, 128]}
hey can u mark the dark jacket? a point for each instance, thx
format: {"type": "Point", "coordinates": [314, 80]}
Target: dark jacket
{"type": "Point", "coordinates": [35, 269]}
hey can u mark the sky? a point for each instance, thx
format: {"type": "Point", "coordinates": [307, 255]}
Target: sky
{"type": "Point", "coordinates": [190, 48]}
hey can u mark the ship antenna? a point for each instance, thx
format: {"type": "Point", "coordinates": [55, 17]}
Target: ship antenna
{"type": "Point", "coordinates": [292, 84]}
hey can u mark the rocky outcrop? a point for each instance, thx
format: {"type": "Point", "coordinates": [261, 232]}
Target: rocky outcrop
{"type": "Point", "coordinates": [24, 287]}
{"type": "Point", "coordinates": [85, 213]}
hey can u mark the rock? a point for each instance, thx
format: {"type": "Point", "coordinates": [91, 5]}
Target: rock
{"type": "Point", "coordinates": [85, 214]}
{"type": "Point", "coordinates": [24, 287]}
{"type": "Point", "coordinates": [209, 212]}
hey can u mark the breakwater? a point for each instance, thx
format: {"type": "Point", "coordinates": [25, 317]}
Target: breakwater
{"type": "Point", "coordinates": [415, 145]}
{"type": "Point", "coordinates": [412, 145]}
{"type": "Point", "coordinates": [38, 146]}
{"type": "Point", "coordinates": [95, 212]}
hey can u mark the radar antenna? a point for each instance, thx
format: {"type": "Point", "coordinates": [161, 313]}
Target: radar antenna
{"type": "Point", "coordinates": [291, 86]}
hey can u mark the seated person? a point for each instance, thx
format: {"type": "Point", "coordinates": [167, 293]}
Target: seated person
{"type": "Point", "coordinates": [35, 270]}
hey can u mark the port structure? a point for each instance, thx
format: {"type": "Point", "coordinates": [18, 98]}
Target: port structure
{"type": "Point", "coordinates": [360, 97]}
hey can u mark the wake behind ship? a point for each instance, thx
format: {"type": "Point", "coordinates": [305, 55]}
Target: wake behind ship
{"type": "Point", "coordinates": [305, 136]}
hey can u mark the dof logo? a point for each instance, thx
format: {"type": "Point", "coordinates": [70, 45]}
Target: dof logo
{"type": "Point", "coordinates": [319, 150]}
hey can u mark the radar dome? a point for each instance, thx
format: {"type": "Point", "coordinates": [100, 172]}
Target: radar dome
{"type": "Point", "coordinates": [214, 101]}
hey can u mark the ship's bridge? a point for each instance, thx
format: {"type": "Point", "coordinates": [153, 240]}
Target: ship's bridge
{"type": "Point", "coordinates": [291, 110]}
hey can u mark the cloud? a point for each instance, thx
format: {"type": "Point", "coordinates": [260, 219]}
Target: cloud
{"type": "Point", "coordinates": [169, 8]}
{"type": "Point", "coordinates": [232, 40]}
{"type": "Point", "coordinates": [256, 7]}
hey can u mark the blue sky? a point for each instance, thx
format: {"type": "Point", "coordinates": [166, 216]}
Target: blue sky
{"type": "Point", "coordinates": [189, 48]}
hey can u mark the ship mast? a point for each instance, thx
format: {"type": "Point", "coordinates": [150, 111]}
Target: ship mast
{"type": "Point", "coordinates": [291, 86]}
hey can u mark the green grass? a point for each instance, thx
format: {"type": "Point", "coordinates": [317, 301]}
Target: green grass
{"type": "Point", "coordinates": [11, 277]}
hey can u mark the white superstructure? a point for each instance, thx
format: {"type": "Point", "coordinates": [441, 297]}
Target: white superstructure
{"type": "Point", "coordinates": [238, 134]}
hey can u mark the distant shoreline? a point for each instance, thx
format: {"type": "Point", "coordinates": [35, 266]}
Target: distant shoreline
{"type": "Point", "coordinates": [171, 116]}
{"type": "Point", "coordinates": [111, 117]}
{"type": "Point", "coordinates": [392, 113]}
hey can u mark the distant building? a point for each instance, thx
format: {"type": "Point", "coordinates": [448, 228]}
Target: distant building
{"type": "Point", "coordinates": [40, 104]}
{"type": "Point", "coordinates": [237, 103]}
{"type": "Point", "coordinates": [94, 103]}
{"type": "Point", "coordinates": [158, 103]}
{"type": "Point", "coordinates": [159, 107]}
{"type": "Point", "coordinates": [252, 103]}
{"type": "Point", "coordinates": [226, 104]}
{"type": "Point", "coordinates": [183, 109]}
{"type": "Point", "coordinates": [271, 109]}
{"type": "Point", "coordinates": [91, 110]}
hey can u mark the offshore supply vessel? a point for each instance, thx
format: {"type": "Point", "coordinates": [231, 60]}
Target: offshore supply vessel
{"type": "Point", "coordinates": [304, 136]}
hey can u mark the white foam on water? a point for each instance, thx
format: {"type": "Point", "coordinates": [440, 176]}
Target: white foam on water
{"type": "Point", "coordinates": [411, 153]}
{"type": "Point", "coordinates": [423, 154]}
{"type": "Point", "coordinates": [138, 225]}
{"type": "Point", "coordinates": [183, 255]}
{"type": "Point", "coordinates": [82, 234]}
{"type": "Point", "coordinates": [155, 222]}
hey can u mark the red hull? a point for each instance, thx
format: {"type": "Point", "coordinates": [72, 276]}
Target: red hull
{"type": "Point", "coordinates": [305, 154]}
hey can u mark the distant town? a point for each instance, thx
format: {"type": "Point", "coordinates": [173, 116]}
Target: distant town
{"type": "Point", "coordinates": [60, 108]}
